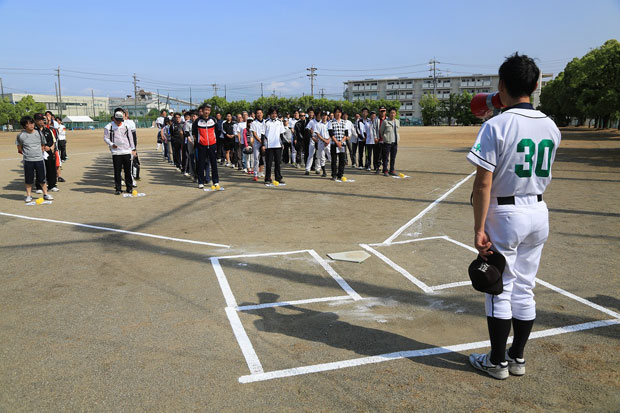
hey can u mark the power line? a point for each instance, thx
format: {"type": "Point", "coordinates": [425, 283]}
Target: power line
{"type": "Point", "coordinates": [368, 70]}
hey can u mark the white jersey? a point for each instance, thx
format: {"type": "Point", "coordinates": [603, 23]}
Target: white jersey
{"type": "Point", "coordinates": [321, 129]}
{"type": "Point", "coordinates": [130, 124]}
{"type": "Point", "coordinates": [62, 132]}
{"type": "Point", "coordinates": [258, 127]}
{"type": "Point", "coordinates": [519, 147]}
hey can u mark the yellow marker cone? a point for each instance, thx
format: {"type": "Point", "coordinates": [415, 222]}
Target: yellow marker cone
{"type": "Point", "coordinates": [213, 187]}
{"type": "Point", "coordinates": [344, 179]}
{"type": "Point", "coordinates": [402, 175]}
{"type": "Point", "coordinates": [134, 193]}
{"type": "Point", "coordinates": [276, 183]}
{"type": "Point", "coordinates": [39, 201]}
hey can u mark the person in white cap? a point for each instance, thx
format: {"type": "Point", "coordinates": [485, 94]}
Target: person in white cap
{"type": "Point", "coordinates": [118, 136]}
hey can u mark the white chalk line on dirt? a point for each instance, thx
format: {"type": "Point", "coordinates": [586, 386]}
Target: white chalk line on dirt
{"type": "Point", "coordinates": [291, 303]}
{"type": "Point", "coordinates": [296, 371]}
{"type": "Point", "coordinates": [247, 349]}
{"type": "Point", "coordinates": [122, 231]}
{"type": "Point", "coordinates": [341, 282]}
{"type": "Point", "coordinates": [398, 268]}
{"type": "Point", "coordinates": [427, 209]}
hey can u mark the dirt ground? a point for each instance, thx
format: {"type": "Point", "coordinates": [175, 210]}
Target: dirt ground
{"type": "Point", "coordinates": [102, 320]}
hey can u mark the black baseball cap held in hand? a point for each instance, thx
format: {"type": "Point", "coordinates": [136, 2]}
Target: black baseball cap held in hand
{"type": "Point", "coordinates": [486, 276]}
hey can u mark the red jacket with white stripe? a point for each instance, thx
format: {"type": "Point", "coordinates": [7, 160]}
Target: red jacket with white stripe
{"type": "Point", "coordinates": [203, 131]}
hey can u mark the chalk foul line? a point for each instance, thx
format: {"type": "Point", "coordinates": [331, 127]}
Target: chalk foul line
{"type": "Point", "coordinates": [296, 371]}
{"type": "Point", "coordinates": [122, 231]}
{"type": "Point", "coordinates": [427, 209]}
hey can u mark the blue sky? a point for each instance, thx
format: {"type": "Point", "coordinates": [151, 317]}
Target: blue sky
{"type": "Point", "coordinates": [174, 45]}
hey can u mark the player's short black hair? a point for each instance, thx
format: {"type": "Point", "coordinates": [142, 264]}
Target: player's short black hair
{"type": "Point", "coordinates": [520, 75]}
{"type": "Point", "coordinates": [272, 110]}
{"type": "Point", "coordinates": [337, 109]}
{"type": "Point", "coordinates": [162, 111]}
{"type": "Point", "coordinates": [25, 120]}
{"type": "Point", "coordinates": [310, 109]}
{"type": "Point", "coordinates": [257, 109]}
{"type": "Point", "coordinates": [50, 112]}
{"type": "Point", "coordinates": [38, 116]}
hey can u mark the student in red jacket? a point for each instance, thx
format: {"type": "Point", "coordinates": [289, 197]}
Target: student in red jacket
{"type": "Point", "coordinates": [203, 131]}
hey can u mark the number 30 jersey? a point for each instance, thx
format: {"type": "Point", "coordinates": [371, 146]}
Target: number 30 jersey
{"type": "Point", "coordinates": [519, 147]}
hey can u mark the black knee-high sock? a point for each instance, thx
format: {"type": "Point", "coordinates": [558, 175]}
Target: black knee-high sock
{"type": "Point", "coordinates": [498, 333]}
{"type": "Point", "coordinates": [522, 331]}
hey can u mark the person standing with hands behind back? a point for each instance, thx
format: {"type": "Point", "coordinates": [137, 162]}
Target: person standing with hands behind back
{"type": "Point", "coordinates": [513, 154]}
{"type": "Point", "coordinates": [119, 138]}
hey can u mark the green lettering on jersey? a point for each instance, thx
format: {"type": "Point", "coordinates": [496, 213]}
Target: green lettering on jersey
{"type": "Point", "coordinates": [525, 170]}
{"type": "Point", "coordinates": [477, 148]}
{"type": "Point", "coordinates": [543, 158]}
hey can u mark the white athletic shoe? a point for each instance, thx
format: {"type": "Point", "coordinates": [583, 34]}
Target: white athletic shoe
{"type": "Point", "coordinates": [54, 189]}
{"type": "Point", "coordinates": [516, 366]}
{"type": "Point", "coordinates": [482, 362]}
{"type": "Point", "coordinates": [38, 191]}
{"type": "Point", "coordinates": [200, 186]}
{"type": "Point", "coordinates": [28, 198]}
{"type": "Point", "coordinates": [185, 174]}
{"type": "Point", "coordinates": [48, 197]}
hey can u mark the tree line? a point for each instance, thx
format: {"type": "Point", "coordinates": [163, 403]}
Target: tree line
{"type": "Point", "coordinates": [453, 110]}
{"type": "Point", "coordinates": [12, 113]}
{"type": "Point", "coordinates": [588, 88]}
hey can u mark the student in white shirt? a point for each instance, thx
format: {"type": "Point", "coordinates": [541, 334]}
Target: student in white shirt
{"type": "Point", "coordinates": [313, 141]}
{"type": "Point", "coordinates": [159, 122]}
{"type": "Point", "coordinates": [62, 140]}
{"type": "Point", "coordinates": [258, 130]}
{"type": "Point", "coordinates": [272, 141]}
{"type": "Point", "coordinates": [322, 135]}
{"type": "Point", "coordinates": [352, 141]}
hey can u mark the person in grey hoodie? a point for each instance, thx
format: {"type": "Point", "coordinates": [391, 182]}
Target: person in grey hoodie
{"type": "Point", "coordinates": [118, 136]}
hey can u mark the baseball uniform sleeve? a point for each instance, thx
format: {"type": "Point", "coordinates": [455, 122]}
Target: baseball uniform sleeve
{"type": "Point", "coordinates": [484, 151]}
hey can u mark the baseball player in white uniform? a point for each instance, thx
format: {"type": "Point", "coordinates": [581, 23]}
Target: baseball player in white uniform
{"type": "Point", "coordinates": [312, 124]}
{"type": "Point", "coordinates": [513, 153]}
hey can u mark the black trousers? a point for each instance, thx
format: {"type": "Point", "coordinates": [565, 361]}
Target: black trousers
{"type": "Point", "coordinates": [389, 150]}
{"type": "Point", "coordinates": [220, 148]}
{"type": "Point", "coordinates": [273, 154]}
{"type": "Point", "coordinates": [378, 156]}
{"type": "Point", "coordinates": [50, 170]}
{"type": "Point", "coordinates": [360, 150]}
{"type": "Point", "coordinates": [184, 157]}
{"type": "Point", "coordinates": [177, 145]}
{"type": "Point", "coordinates": [346, 159]}
{"type": "Point", "coordinates": [286, 152]}
{"type": "Point", "coordinates": [370, 149]}
{"type": "Point", "coordinates": [206, 154]}
{"type": "Point", "coordinates": [300, 151]}
{"type": "Point", "coordinates": [337, 170]}
{"type": "Point", "coordinates": [122, 162]}
{"type": "Point", "coordinates": [62, 147]}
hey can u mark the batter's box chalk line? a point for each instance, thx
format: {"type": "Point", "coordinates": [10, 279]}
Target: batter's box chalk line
{"type": "Point", "coordinates": [257, 375]}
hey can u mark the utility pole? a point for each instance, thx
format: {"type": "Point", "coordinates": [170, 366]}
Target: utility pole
{"type": "Point", "coordinates": [135, 96]}
{"type": "Point", "coordinates": [56, 89]}
{"type": "Point", "coordinates": [190, 99]}
{"type": "Point", "coordinates": [2, 88]}
{"type": "Point", "coordinates": [157, 100]}
{"type": "Point", "coordinates": [59, 91]}
{"type": "Point", "coordinates": [261, 89]}
{"type": "Point", "coordinates": [434, 63]}
{"type": "Point", "coordinates": [224, 92]}
{"type": "Point", "coordinates": [322, 93]}
{"type": "Point", "coordinates": [215, 88]}
{"type": "Point", "coordinates": [312, 75]}
{"type": "Point", "coordinates": [92, 93]}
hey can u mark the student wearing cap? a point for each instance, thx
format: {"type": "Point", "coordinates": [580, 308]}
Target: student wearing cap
{"type": "Point", "coordinates": [272, 141]}
{"type": "Point", "coordinates": [117, 135]}
{"type": "Point", "coordinates": [390, 135]}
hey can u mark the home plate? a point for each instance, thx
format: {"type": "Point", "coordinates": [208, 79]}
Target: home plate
{"type": "Point", "coordinates": [213, 190]}
{"type": "Point", "coordinates": [42, 203]}
{"type": "Point", "coordinates": [131, 196]}
{"type": "Point", "coordinates": [401, 177]}
{"type": "Point", "coordinates": [350, 256]}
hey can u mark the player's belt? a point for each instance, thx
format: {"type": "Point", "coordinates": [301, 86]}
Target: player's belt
{"type": "Point", "coordinates": [510, 200]}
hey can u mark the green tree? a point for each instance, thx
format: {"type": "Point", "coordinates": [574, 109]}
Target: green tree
{"type": "Point", "coordinates": [7, 112]}
{"type": "Point", "coordinates": [463, 112]}
{"type": "Point", "coordinates": [27, 106]}
{"type": "Point", "coordinates": [430, 110]}
{"type": "Point", "coordinates": [449, 108]}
